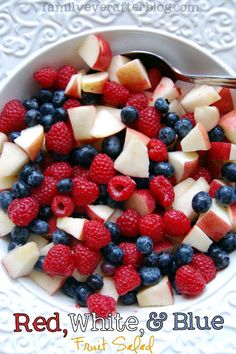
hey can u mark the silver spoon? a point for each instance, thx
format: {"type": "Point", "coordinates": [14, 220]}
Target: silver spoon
{"type": "Point", "coordinates": [150, 59]}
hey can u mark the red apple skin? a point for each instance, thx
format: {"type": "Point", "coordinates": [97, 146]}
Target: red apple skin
{"type": "Point", "coordinates": [228, 123]}
{"type": "Point", "coordinates": [73, 90]}
{"type": "Point", "coordinates": [142, 201]}
{"type": "Point", "coordinates": [105, 55]}
{"type": "Point", "coordinates": [232, 215]}
{"type": "Point", "coordinates": [225, 104]}
{"type": "Point", "coordinates": [215, 168]}
{"type": "Point", "coordinates": [189, 169]}
{"type": "Point", "coordinates": [214, 186]}
{"type": "Point", "coordinates": [164, 246]}
{"type": "Point", "coordinates": [213, 226]}
{"type": "Point", "coordinates": [219, 151]}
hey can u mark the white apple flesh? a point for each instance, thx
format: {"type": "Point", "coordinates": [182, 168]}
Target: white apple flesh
{"type": "Point", "coordinates": [142, 201]}
{"type": "Point", "coordinates": [49, 284]}
{"type": "Point", "coordinates": [197, 239]}
{"type": "Point", "coordinates": [197, 139]}
{"type": "Point", "coordinates": [12, 159]}
{"type": "Point", "coordinates": [108, 288]}
{"type": "Point", "coordinates": [228, 123]}
{"type": "Point", "coordinates": [74, 86]}
{"type": "Point", "coordinates": [182, 187]}
{"type": "Point", "coordinates": [40, 241]}
{"type": "Point", "coordinates": [209, 116]}
{"type": "Point", "coordinates": [176, 107]}
{"type": "Point", "coordinates": [31, 141]}
{"type": "Point", "coordinates": [99, 212]}
{"type": "Point", "coordinates": [231, 209]}
{"type": "Point", "coordinates": [6, 224]}
{"type": "Point", "coordinates": [3, 139]}
{"type": "Point", "coordinates": [160, 294]}
{"type": "Point", "coordinates": [130, 133]}
{"type": "Point", "coordinates": [73, 226]}
{"type": "Point", "coordinates": [94, 83]}
{"type": "Point", "coordinates": [7, 182]}
{"type": "Point", "coordinates": [117, 62]}
{"type": "Point", "coordinates": [82, 120]}
{"type": "Point", "coordinates": [184, 163]}
{"type": "Point", "coordinates": [165, 89]}
{"type": "Point", "coordinates": [199, 96]}
{"type": "Point", "coordinates": [107, 122]}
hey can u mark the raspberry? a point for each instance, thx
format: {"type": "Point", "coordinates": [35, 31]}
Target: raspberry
{"type": "Point", "coordinates": [80, 171]}
{"type": "Point", "coordinates": [101, 305]}
{"type": "Point", "coordinates": [59, 139]}
{"type": "Point", "coordinates": [162, 191]}
{"type": "Point", "coordinates": [131, 254]}
{"type": "Point", "coordinates": [59, 261]}
{"type": "Point", "coordinates": [84, 192]}
{"type": "Point", "coordinates": [202, 172]}
{"type": "Point", "coordinates": [121, 187]}
{"type": "Point", "coordinates": [45, 193]}
{"type": "Point", "coordinates": [148, 122]}
{"type": "Point", "coordinates": [176, 223]}
{"type": "Point", "coordinates": [96, 235]}
{"type": "Point", "coordinates": [152, 225]}
{"type": "Point", "coordinates": [126, 279]}
{"type": "Point", "coordinates": [205, 265]}
{"type": "Point", "coordinates": [157, 150]}
{"type": "Point", "coordinates": [46, 77]}
{"type": "Point", "coordinates": [59, 170]}
{"type": "Point", "coordinates": [64, 75]}
{"type": "Point", "coordinates": [86, 260]}
{"type": "Point", "coordinates": [190, 117]}
{"type": "Point", "coordinates": [115, 94]}
{"type": "Point", "coordinates": [189, 281]}
{"type": "Point", "coordinates": [137, 100]}
{"type": "Point", "coordinates": [102, 169]}
{"type": "Point", "coordinates": [154, 77]}
{"type": "Point", "coordinates": [52, 222]}
{"type": "Point", "coordinates": [71, 103]}
{"type": "Point", "coordinates": [128, 223]}
{"type": "Point", "coordinates": [62, 205]}
{"type": "Point", "coordinates": [47, 160]}
{"type": "Point", "coordinates": [23, 211]}
{"type": "Point", "coordinates": [12, 117]}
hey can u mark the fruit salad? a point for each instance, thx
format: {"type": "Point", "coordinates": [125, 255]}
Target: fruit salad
{"type": "Point", "coordinates": [118, 184]}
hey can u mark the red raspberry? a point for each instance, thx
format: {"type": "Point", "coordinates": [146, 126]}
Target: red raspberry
{"type": "Point", "coordinates": [115, 94]}
{"type": "Point", "coordinates": [128, 223]}
{"type": "Point", "coordinates": [52, 222]}
{"type": "Point", "coordinates": [59, 139]}
{"type": "Point", "coordinates": [86, 260]}
{"type": "Point", "coordinates": [126, 279]}
{"type": "Point", "coordinates": [205, 265]}
{"type": "Point", "coordinates": [78, 171]}
{"type": "Point", "coordinates": [46, 77]}
{"type": "Point", "coordinates": [101, 305]}
{"type": "Point", "coordinates": [12, 117]}
{"type": "Point", "coordinates": [154, 77]}
{"type": "Point", "coordinates": [157, 150]}
{"type": "Point", "coordinates": [152, 225]}
{"type": "Point", "coordinates": [59, 261]}
{"type": "Point", "coordinates": [64, 75]}
{"type": "Point", "coordinates": [59, 170]}
{"type": "Point", "coordinates": [84, 192]}
{"type": "Point", "coordinates": [202, 172]}
{"type": "Point", "coordinates": [62, 205]}
{"type": "Point", "coordinates": [121, 187]}
{"type": "Point", "coordinates": [190, 117]}
{"type": "Point", "coordinates": [189, 281]}
{"type": "Point", "coordinates": [176, 223]}
{"type": "Point", "coordinates": [149, 122]}
{"type": "Point", "coordinates": [102, 169]}
{"type": "Point", "coordinates": [137, 100]}
{"type": "Point", "coordinates": [23, 211]}
{"type": "Point", "coordinates": [131, 254]}
{"type": "Point", "coordinates": [96, 235]}
{"type": "Point", "coordinates": [45, 193]}
{"type": "Point", "coordinates": [71, 103]}
{"type": "Point", "coordinates": [162, 191]}
{"type": "Point", "coordinates": [47, 160]}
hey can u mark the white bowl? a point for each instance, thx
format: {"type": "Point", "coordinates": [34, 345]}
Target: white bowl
{"type": "Point", "coordinates": [181, 53]}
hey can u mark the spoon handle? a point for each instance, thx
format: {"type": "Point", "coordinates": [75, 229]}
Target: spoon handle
{"type": "Point", "coordinates": [220, 81]}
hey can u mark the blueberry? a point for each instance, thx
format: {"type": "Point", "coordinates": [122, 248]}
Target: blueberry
{"type": "Point", "coordinates": [39, 227]}
{"type": "Point", "coordinates": [60, 114]}
{"type": "Point", "coordinates": [32, 117]}
{"type": "Point", "coordinates": [84, 155]}
{"type": "Point", "coordinates": [103, 193]}
{"type": "Point", "coordinates": [228, 242]}
{"type": "Point", "coordinates": [64, 185]}
{"type": "Point", "coordinates": [221, 260]}
{"type": "Point", "coordinates": [70, 286]}
{"type": "Point", "coordinates": [108, 268]}
{"type": "Point", "coordinates": [144, 244]}
{"type": "Point", "coordinates": [13, 245]}
{"type": "Point", "coordinates": [183, 127]}
{"type": "Point", "coordinates": [216, 134]}
{"type": "Point", "coordinates": [59, 236]}
{"type": "Point", "coordinates": [225, 195]}
{"type": "Point", "coordinates": [95, 281]}
{"type": "Point", "coordinates": [114, 230]}
{"type": "Point", "coordinates": [81, 294]}
{"type": "Point", "coordinates": [113, 254]}
{"type": "Point", "coordinates": [39, 158]}
{"type": "Point", "coordinates": [167, 135]}
{"type": "Point", "coordinates": [149, 275]}
{"type": "Point", "coordinates": [39, 264]}
{"type": "Point", "coordinates": [31, 103]}
{"type": "Point", "coordinates": [129, 298]}
{"type": "Point", "coordinates": [201, 202]}
{"type": "Point", "coordinates": [20, 234]}
{"type": "Point", "coordinates": [61, 158]}
{"type": "Point", "coordinates": [90, 98]}
{"type": "Point", "coordinates": [47, 121]}
{"type": "Point", "coordinates": [165, 262]}
{"type": "Point", "coordinates": [214, 250]}
{"type": "Point", "coordinates": [47, 108]}
{"type": "Point", "coordinates": [162, 105]}
{"type": "Point", "coordinates": [170, 119]}
{"type": "Point", "coordinates": [113, 203]}
{"type": "Point", "coordinates": [129, 114]}
{"type": "Point", "coordinates": [12, 136]}
{"type": "Point", "coordinates": [6, 198]}
{"type": "Point", "coordinates": [20, 189]}
{"type": "Point", "coordinates": [35, 178]}
{"type": "Point", "coordinates": [112, 146]}
{"type": "Point", "coordinates": [59, 98]}
{"type": "Point", "coordinates": [141, 183]}
{"type": "Point", "coordinates": [44, 96]}
{"type": "Point", "coordinates": [151, 260]}
{"type": "Point", "coordinates": [45, 212]}
{"type": "Point", "coordinates": [229, 172]}
{"type": "Point", "coordinates": [164, 169]}
{"type": "Point", "coordinates": [25, 172]}
{"type": "Point", "coordinates": [177, 292]}
{"type": "Point", "coordinates": [184, 254]}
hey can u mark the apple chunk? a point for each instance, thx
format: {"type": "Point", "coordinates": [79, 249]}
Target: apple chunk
{"type": "Point", "coordinates": [208, 116]}
{"type": "Point", "coordinates": [107, 122]}
{"type": "Point", "coordinates": [182, 187]}
{"type": "Point", "coordinates": [46, 282]}
{"type": "Point", "coordinates": [21, 260]}
{"type": "Point", "coordinates": [199, 96]}
{"type": "Point", "coordinates": [228, 123]}
{"type": "Point", "coordinates": [176, 107]}
{"type": "Point", "coordinates": [40, 241]}
{"type": "Point", "coordinates": [142, 201]}
{"type": "Point", "coordinates": [231, 209]}
{"type": "Point", "coordinates": [165, 89]}
{"type": "Point", "coordinates": [82, 120]}
{"type": "Point", "coordinates": [13, 158]}
{"type": "Point", "coordinates": [221, 151]}
{"type": "Point", "coordinates": [117, 62]}
{"type": "Point", "coordinates": [130, 133]}
{"type": "Point", "coordinates": [109, 288]}
{"type": "Point", "coordinates": [7, 182]}
{"type": "Point", "coordinates": [99, 212]}
{"type": "Point", "coordinates": [94, 82]}
{"type": "Point", "coordinates": [31, 141]}
{"type": "Point", "coordinates": [184, 163]}
{"type": "Point", "coordinates": [197, 139]}
{"type": "Point", "coordinates": [6, 224]}
{"type": "Point", "coordinates": [74, 86]}
{"type": "Point", "coordinates": [3, 139]}
{"type": "Point", "coordinates": [160, 294]}
{"type": "Point", "coordinates": [225, 104]}
{"type": "Point", "coordinates": [197, 239]}
{"type": "Point", "coordinates": [73, 226]}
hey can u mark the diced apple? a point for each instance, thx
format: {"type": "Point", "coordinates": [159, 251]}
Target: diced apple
{"type": "Point", "coordinates": [40, 241]}
{"type": "Point", "coordinates": [208, 116]}
{"type": "Point", "coordinates": [12, 159]}
{"type": "Point", "coordinates": [221, 151]}
{"type": "Point", "coordinates": [109, 288]}
{"type": "Point", "coordinates": [182, 187]}
{"type": "Point", "coordinates": [133, 76]}
{"type": "Point", "coordinates": [73, 226]}
{"type": "Point", "coordinates": [6, 224]}
{"type": "Point", "coordinates": [133, 161]}
{"type": "Point", "coordinates": [215, 168]}
{"type": "Point", "coordinates": [50, 284]}
{"type": "Point", "coordinates": [160, 294]}
{"type": "Point", "coordinates": [183, 87]}
{"type": "Point", "coordinates": [21, 260]}
{"type": "Point", "coordinates": [117, 213]}
{"type": "Point", "coordinates": [3, 139]}
{"type": "Point", "coordinates": [199, 96]}
{"type": "Point", "coordinates": [164, 246]}
{"type": "Point", "coordinates": [228, 123]}
{"type": "Point", "coordinates": [175, 106]}
{"type": "Point", "coordinates": [197, 239]}
{"type": "Point", "coordinates": [215, 222]}
{"type": "Point", "coordinates": [225, 104]}
{"type": "Point", "coordinates": [82, 120]}
{"type": "Point", "coordinates": [231, 209]}
{"type": "Point", "coordinates": [184, 163]}
{"type": "Point", "coordinates": [165, 89]}
{"type": "Point", "coordinates": [107, 122]}
{"type": "Point", "coordinates": [94, 82]}
{"type": "Point", "coordinates": [130, 133]}
{"type": "Point", "coordinates": [142, 201]}
{"type": "Point", "coordinates": [197, 139]}
{"type": "Point", "coordinates": [117, 62]}
{"type": "Point", "coordinates": [74, 86]}
{"type": "Point", "coordinates": [96, 52]}
{"type": "Point", "coordinates": [215, 185]}
{"type": "Point", "coordinates": [44, 250]}
{"type": "Point", "coordinates": [31, 141]}
{"type": "Point", "coordinates": [7, 182]}
{"type": "Point", "coordinates": [79, 277]}
{"type": "Point", "coordinates": [99, 212]}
